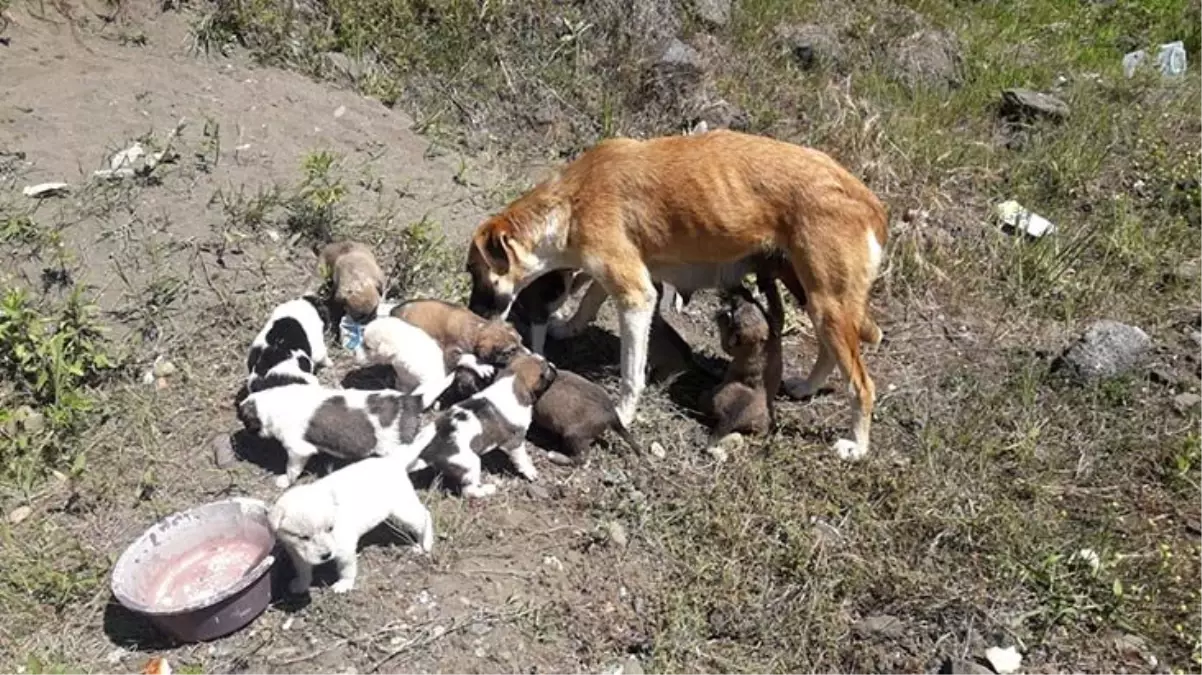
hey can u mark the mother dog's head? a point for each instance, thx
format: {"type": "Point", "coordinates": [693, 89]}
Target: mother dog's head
{"type": "Point", "coordinates": [499, 264]}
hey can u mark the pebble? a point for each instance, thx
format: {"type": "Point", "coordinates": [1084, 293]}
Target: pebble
{"type": "Point", "coordinates": [164, 368]}
{"type": "Point", "coordinates": [223, 451]}
{"type": "Point", "coordinates": [617, 533]}
{"type": "Point", "coordinates": [1186, 402]}
{"type": "Point", "coordinates": [18, 514]}
{"type": "Point", "coordinates": [537, 492]}
{"type": "Point", "coordinates": [657, 450]}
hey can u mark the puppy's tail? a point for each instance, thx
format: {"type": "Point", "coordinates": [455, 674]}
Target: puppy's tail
{"type": "Point", "coordinates": [622, 431]}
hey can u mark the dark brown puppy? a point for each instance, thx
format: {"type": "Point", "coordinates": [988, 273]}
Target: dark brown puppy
{"type": "Point", "coordinates": [743, 402]}
{"type": "Point", "coordinates": [459, 331]}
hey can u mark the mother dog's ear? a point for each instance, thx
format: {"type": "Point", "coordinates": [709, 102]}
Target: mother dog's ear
{"type": "Point", "coordinates": [494, 247]}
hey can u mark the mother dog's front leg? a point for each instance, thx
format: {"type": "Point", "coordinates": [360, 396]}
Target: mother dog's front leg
{"type": "Point", "coordinates": [636, 309]}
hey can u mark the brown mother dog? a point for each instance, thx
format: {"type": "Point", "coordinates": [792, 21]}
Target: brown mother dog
{"type": "Point", "coordinates": [628, 212]}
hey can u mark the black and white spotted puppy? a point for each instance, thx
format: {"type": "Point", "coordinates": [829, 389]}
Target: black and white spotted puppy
{"type": "Point", "coordinates": [495, 418]}
{"type": "Point", "coordinates": [290, 347]}
{"type": "Point", "coordinates": [346, 423]}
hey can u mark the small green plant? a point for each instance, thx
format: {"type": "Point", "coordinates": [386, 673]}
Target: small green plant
{"type": "Point", "coordinates": [314, 213]}
{"type": "Point", "coordinates": [48, 362]}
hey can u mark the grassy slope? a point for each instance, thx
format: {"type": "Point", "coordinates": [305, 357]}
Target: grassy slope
{"type": "Point", "coordinates": [991, 472]}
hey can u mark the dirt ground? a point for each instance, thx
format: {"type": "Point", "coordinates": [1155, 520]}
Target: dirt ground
{"type": "Point", "coordinates": [187, 260]}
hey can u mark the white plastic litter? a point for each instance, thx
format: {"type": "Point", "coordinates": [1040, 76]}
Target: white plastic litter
{"type": "Point", "coordinates": [1015, 215]}
{"type": "Point", "coordinates": [127, 157]}
{"type": "Point", "coordinates": [1170, 60]}
{"type": "Point", "coordinates": [45, 190]}
{"type": "Point", "coordinates": [1004, 661]}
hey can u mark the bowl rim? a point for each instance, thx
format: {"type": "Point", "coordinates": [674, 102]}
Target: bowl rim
{"type": "Point", "coordinates": [252, 576]}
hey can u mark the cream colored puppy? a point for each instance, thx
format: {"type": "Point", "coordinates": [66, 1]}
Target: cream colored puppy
{"type": "Point", "coordinates": [323, 521]}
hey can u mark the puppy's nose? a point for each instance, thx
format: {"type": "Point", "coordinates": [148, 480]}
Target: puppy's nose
{"type": "Point", "coordinates": [325, 557]}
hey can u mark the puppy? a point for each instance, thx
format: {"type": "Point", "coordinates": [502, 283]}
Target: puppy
{"type": "Point", "coordinates": [345, 423]}
{"type": "Point", "coordinates": [417, 358]}
{"type": "Point", "coordinates": [631, 212]}
{"type": "Point", "coordinates": [538, 302]}
{"type": "Point", "coordinates": [290, 347]}
{"type": "Point", "coordinates": [743, 402]}
{"type": "Point", "coordinates": [575, 412]}
{"type": "Point", "coordinates": [324, 520]}
{"type": "Point", "coordinates": [460, 332]}
{"type": "Point", "coordinates": [358, 282]}
{"type": "Point", "coordinates": [571, 414]}
{"type": "Point", "coordinates": [495, 418]}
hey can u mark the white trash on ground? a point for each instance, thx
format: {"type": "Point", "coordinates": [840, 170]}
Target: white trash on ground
{"type": "Point", "coordinates": [42, 190]}
{"type": "Point", "coordinates": [1004, 661]}
{"type": "Point", "coordinates": [1170, 60]}
{"type": "Point", "coordinates": [1015, 215]}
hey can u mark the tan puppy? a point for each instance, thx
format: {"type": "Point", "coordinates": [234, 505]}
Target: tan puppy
{"type": "Point", "coordinates": [357, 279]}
{"type": "Point", "coordinates": [630, 212]}
{"type": "Point", "coordinates": [743, 402]}
{"type": "Point", "coordinates": [459, 331]}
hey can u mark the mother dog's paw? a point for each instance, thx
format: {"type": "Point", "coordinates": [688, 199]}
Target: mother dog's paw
{"type": "Point", "coordinates": [848, 451]}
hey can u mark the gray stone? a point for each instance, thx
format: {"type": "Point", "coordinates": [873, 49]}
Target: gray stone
{"type": "Point", "coordinates": [879, 625]}
{"type": "Point", "coordinates": [680, 58]}
{"type": "Point", "coordinates": [631, 666]}
{"type": "Point", "coordinates": [1106, 349]}
{"type": "Point", "coordinates": [1186, 402]}
{"type": "Point", "coordinates": [617, 533]}
{"type": "Point", "coordinates": [722, 114]}
{"type": "Point", "coordinates": [223, 451]}
{"type": "Point", "coordinates": [812, 45]}
{"type": "Point", "coordinates": [537, 492]}
{"type": "Point", "coordinates": [337, 65]}
{"type": "Point", "coordinates": [712, 12]}
{"type": "Point", "coordinates": [657, 450]}
{"type": "Point", "coordinates": [1024, 104]}
{"type": "Point", "coordinates": [929, 58]}
{"type": "Point", "coordinates": [964, 667]}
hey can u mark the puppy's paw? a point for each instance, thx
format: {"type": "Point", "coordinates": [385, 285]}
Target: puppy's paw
{"type": "Point", "coordinates": [343, 585]}
{"type": "Point", "coordinates": [282, 482]}
{"type": "Point", "coordinates": [298, 586]}
{"type": "Point", "coordinates": [529, 473]}
{"type": "Point", "coordinates": [848, 450]}
{"type": "Point", "coordinates": [483, 370]}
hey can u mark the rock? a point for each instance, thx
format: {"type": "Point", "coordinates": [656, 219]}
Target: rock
{"type": "Point", "coordinates": [730, 443]}
{"type": "Point", "coordinates": [1189, 271]}
{"type": "Point", "coordinates": [963, 667]}
{"type": "Point", "coordinates": [627, 666]}
{"type": "Point", "coordinates": [339, 66]}
{"type": "Point", "coordinates": [223, 451]}
{"type": "Point", "coordinates": [714, 13]}
{"type": "Point", "coordinates": [1187, 402]}
{"type": "Point", "coordinates": [675, 75]}
{"type": "Point", "coordinates": [1004, 660]}
{"type": "Point", "coordinates": [32, 421]}
{"type": "Point", "coordinates": [18, 514]}
{"type": "Point", "coordinates": [537, 492]}
{"type": "Point", "coordinates": [1025, 105]}
{"type": "Point", "coordinates": [657, 450]}
{"type": "Point", "coordinates": [617, 533]}
{"type": "Point", "coordinates": [339, 111]}
{"type": "Point", "coordinates": [1106, 349]}
{"type": "Point", "coordinates": [928, 58]}
{"type": "Point", "coordinates": [812, 45]}
{"type": "Point", "coordinates": [163, 368]}
{"type": "Point", "coordinates": [721, 114]}
{"type": "Point", "coordinates": [879, 625]}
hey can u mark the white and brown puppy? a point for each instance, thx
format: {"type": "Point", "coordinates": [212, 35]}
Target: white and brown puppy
{"type": "Point", "coordinates": [290, 347]}
{"type": "Point", "coordinates": [344, 423]}
{"type": "Point", "coordinates": [496, 418]}
{"type": "Point", "coordinates": [418, 359]}
{"type": "Point", "coordinates": [356, 278]}
{"type": "Point", "coordinates": [743, 401]}
{"type": "Point", "coordinates": [324, 520]}
{"type": "Point", "coordinates": [460, 332]}
{"type": "Point", "coordinates": [629, 212]}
